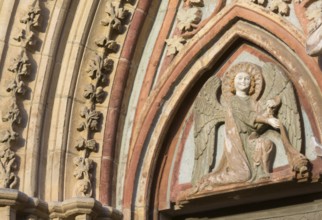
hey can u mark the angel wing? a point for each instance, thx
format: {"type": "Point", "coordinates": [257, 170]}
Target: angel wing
{"type": "Point", "coordinates": [277, 84]}
{"type": "Point", "coordinates": [208, 114]}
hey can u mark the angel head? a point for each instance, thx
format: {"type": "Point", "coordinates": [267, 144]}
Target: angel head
{"type": "Point", "coordinates": [244, 82]}
{"type": "Point", "coordinates": [244, 77]}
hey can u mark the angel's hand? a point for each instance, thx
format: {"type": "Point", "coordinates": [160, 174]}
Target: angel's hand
{"type": "Point", "coordinates": [270, 103]}
{"type": "Point", "coordinates": [274, 122]}
{"type": "Point", "coordinates": [273, 102]}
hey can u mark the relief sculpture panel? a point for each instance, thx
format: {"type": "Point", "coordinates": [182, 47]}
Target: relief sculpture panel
{"type": "Point", "coordinates": [253, 103]}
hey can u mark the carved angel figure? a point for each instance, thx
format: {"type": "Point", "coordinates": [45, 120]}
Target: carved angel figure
{"type": "Point", "coordinates": [248, 113]}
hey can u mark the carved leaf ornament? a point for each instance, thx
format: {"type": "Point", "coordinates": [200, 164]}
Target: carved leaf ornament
{"type": "Point", "coordinates": [107, 44]}
{"type": "Point", "coordinates": [98, 70]}
{"type": "Point", "coordinates": [96, 94]}
{"type": "Point", "coordinates": [32, 16]}
{"type": "Point", "coordinates": [99, 67]}
{"type": "Point", "coordinates": [175, 44]}
{"type": "Point", "coordinates": [280, 6]}
{"type": "Point", "coordinates": [92, 119]}
{"type": "Point", "coordinates": [83, 144]}
{"type": "Point", "coordinates": [199, 3]}
{"type": "Point", "coordinates": [20, 67]}
{"type": "Point", "coordinates": [115, 16]}
{"type": "Point", "coordinates": [12, 114]}
{"type": "Point", "coordinates": [188, 19]}
{"type": "Point", "coordinates": [261, 2]}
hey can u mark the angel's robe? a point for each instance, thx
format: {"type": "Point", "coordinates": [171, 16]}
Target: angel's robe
{"type": "Point", "coordinates": [236, 164]}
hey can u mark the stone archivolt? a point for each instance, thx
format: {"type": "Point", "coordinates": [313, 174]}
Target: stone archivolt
{"type": "Point", "coordinates": [99, 68]}
{"type": "Point", "coordinates": [20, 67]}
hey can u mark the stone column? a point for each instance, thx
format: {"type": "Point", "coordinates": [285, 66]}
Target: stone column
{"type": "Point", "coordinates": [7, 213]}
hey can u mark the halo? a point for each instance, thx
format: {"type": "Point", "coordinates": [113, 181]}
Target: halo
{"type": "Point", "coordinates": [252, 69]}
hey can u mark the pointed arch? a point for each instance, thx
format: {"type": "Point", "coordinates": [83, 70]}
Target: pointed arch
{"type": "Point", "coordinates": [268, 32]}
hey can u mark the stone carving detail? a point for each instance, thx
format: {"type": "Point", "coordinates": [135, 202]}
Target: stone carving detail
{"type": "Point", "coordinates": [82, 173]}
{"type": "Point", "coordinates": [116, 15]}
{"type": "Point", "coordinates": [20, 66]}
{"type": "Point", "coordinates": [314, 40]}
{"type": "Point", "coordinates": [249, 113]}
{"type": "Point", "coordinates": [11, 114]}
{"type": "Point", "coordinates": [190, 15]}
{"type": "Point", "coordinates": [278, 6]}
{"type": "Point", "coordinates": [199, 3]}
{"type": "Point", "coordinates": [8, 179]}
{"type": "Point", "coordinates": [31, 19]}
{"type": "Point", "coordinates": [175, 44]}
{"type": "Point", "coordinates": [188, 19]}
{"type": "Point", "coordinates": [99, 68]}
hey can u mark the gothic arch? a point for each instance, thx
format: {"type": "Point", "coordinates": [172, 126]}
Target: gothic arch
{"type": "Point", "coordinates": [189, 66]}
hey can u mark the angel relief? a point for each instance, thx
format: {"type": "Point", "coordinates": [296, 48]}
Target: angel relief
{"type": "Point", "coordinates": [249, 111]}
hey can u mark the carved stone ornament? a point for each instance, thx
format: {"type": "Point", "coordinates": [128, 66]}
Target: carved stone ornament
{"type": "Point", "coordinates": [175, 44]}
{"type": "Point", "coordinates": [188, 20]}
{"type": "Point", "coordinates": [115, 15]}
{"type": "Point", "coordinates": [277, 6]}
{"type": "Point", "coordinates": [199, 3]}
{"type": "Point", "coordinates": [82, 174]}
{"type": "Point", "coordinates": [30, 20]}
{"type": "Point", "coordinates": [250, 109]}
{"type": "Point", "coordinates": [98, 70]}
{"type": "Point", "coordinates": [8, 178]}
{"type": "Point", "coordinates": [21, 68]}
{"type": "Point", "coordinates": [314, 40]}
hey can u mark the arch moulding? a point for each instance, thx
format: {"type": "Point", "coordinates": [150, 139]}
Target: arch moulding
{"type": "Point", "coordinates": [269, 33]}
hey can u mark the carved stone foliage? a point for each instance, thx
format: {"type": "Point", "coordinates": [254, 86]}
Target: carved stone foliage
{"type": "Point", "coordinates": [187, 21]}
{"type": "Point", "coordinates": [31, 20]}
{"type": "Point", "coordinates": [314, 41]}
{"type": "Point", "coordinates": [82, 173]}
{"type": "Point", "coordinates": [175, 44]}
{"type": "Point", "coordinates": [253, 108]}
{"type": "Point", "coordinates": [199, 3]}
{"type": "Point", "coordinates": [278, 6]}
{"type": "Point", "coordinates": [190, 15]}
{"type": "Point", "coordinates": [98, 70]}
{"type": "Point", "coordinates": [19, 69]}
